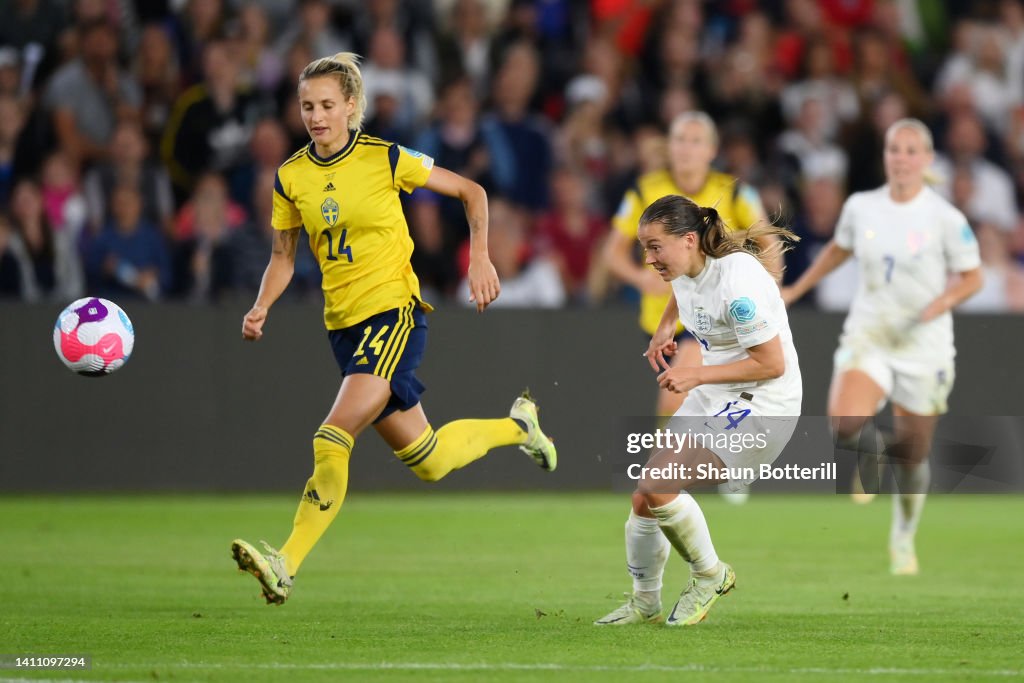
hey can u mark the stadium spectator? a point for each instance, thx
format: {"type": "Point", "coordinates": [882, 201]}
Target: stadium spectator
{"type": "Point", "coordinates": [476, 149]}
{"type": "Point", "coordinates": [128, 163]}
{"type": "Point", "coordinates": [262, 66]}
{"type": "Point", "coordinates": [613, 68]}
{"type": "Point", "coordinates": [528, 279]}
{"type": "Point", "coordinates": [982, 69]}
{"type": "Point", "coordinates": [1011, 23]}
{"type": "Point", "coordinates": [528, 135]}
{"type": "Point", "coordinates": [311, 27]}
{"type": "Point", "coordinates": [211, 123]}
{"type": "Point", "coordinates": [433, 259]}
{"type": "Point", "coordinates": [866, 138]}
{"type": "Point", "coordinates": [993, 199]}
{"type": "Point", "coordinates": [403, 92]}
{"type": "Point", "coordinates": [573, 235]}
{"type": "Point", "coordinates": [33, 27]}
{"type": "Point", "coordinates": [209, 185]}
{"type": "Point", "coordinates": [284, 99]}
{"type": "Point", "coordinates": [626, 101]}
{"type": "Point", "coordinates": [268, 148]}
{"type": "Point", "coordinates": [644, 151]}
{"type": "Point", "coordinates": [62, 198]}
{"type": "Point", "coordinates": [820, 81]}
{"type": "Point", "coordinates": [159, 77]}
{"type": "Point", "coordinates": [1003, 288]}
{"type": "Point", "coordinates": [206, 263]}
{"type": "Point", "coordinates": [464, 46]}
{"type": "Point", "coordinates": [32, 244]}
{"type": "Point", "coordinates": [412, 21]}
{"type": "Point", "coordinates": [822, 200]}
{"type": "Point", "coordinates": [121, 16]}
{"type": "Point", "coordinates": [253, 241]}
{"type": "Point", "coordinates": [128, 259]}
{"type": "Point", "coordinates": [202, 22]}
{"type": "Point", "coordinates": [806, 147]}
{"type": "Point", "coordinates": [582, 141]}
{"type": "Point", "coordinates": [10, 266]}
{"type": "Point", "coordinates": [805, 23]}
{"type": "Point", "coordinates": [745, 85]}
{"type": "Point", "coordinates": [877, 73]}
{"type": "Point", "coordinates": [87, 96]}
{"type": "Point", "coordinates": [12, 122]}
{"type": "Point", "coordinates": [739, 155]}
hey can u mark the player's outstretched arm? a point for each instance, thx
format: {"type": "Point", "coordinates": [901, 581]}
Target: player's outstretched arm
{"type": "Point", "coordinates": [275, 280]}
{"type": "Point", "coordinates": [483, 279]}
{"type": "Point", "coordinates": [830, 258]}
{"type": "Point", "coordinates": [961, 287]}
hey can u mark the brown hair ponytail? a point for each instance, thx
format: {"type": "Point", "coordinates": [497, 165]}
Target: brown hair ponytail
{"type": "Point", "coordinates": [679, 215]}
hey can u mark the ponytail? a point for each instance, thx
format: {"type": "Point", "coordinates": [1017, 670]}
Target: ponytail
{"type": "Point", "coordinates": [679, 215]}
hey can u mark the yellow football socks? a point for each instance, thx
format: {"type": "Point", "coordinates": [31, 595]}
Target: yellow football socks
{"type": "Point", "coordinates": [325, 491]}
{"type": "Point", "coordinates": [433, 455]}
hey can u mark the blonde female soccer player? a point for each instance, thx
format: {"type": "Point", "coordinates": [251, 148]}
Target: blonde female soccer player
{"type": "Point", "coordinates": [343, 189]}
{"type": "Point", "coordinates": [692, 146]}
{"type": "Point", "coordinates": [917, 259]}
{"type": "Point", "coordinates": [748, 384]}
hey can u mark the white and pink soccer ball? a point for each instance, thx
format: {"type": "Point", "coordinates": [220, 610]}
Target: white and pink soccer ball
{"type": "Point", "coordinates": [93, 337]}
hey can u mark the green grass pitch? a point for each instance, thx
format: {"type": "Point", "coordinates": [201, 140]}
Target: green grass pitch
{"type": "Point", "coordinates": [502, 587]}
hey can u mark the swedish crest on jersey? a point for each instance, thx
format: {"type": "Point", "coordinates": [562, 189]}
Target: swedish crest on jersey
{"type": "Point", "coordinates": [330, 211]}
{"type": "Point", "coordinates": [701, 320]}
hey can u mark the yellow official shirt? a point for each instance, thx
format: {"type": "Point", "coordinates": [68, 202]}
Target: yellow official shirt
{"type": "Point", "coordinates": [349, 205]}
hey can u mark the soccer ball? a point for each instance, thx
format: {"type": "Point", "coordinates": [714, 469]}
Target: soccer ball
{"type": "Point", "coordinates": [93, 337]}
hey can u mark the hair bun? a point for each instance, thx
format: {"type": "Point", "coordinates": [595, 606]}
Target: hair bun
{"type": "Point", "coordinates": [710, 216]}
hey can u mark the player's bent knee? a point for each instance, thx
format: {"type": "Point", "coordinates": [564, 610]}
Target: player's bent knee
{"type": "Point", "coordinates": [651, 495]}
{"type": "Point", "coordinates": [640, 507]}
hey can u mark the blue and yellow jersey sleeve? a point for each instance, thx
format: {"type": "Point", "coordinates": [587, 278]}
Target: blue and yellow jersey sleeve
{"type": "Point", "coordinates": [747, 206]}
{"type": "Point", "coordinates": [285, 215]}
{"type": "Point", "coordinates": [411, 168]}
{"type": "Point", "coordinates": [627, 218]}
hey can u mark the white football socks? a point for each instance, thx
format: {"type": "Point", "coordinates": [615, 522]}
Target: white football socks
{"type": "Point", "coordinates": [646, 554]}
{"type": "Point", "coordinates": [907, 502]}
{"type": "Point", "coordinates": [683, 523]}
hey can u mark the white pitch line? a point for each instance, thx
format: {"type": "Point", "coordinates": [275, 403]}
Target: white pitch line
{"type": "Point", "coordinates": [640, 668]}
{"type": "Point", "coordinates": [59, 680]}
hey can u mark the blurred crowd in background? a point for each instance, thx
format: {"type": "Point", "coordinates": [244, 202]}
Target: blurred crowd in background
{"type": "Point", "coordinates": [139, 139]}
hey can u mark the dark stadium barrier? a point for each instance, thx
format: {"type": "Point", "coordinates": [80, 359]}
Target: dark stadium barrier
{"type": "Point", "coordinates": [197, 409]}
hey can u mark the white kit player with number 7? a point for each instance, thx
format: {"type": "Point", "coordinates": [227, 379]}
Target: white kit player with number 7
{"type": "Point", "coordinates": [917, 259]}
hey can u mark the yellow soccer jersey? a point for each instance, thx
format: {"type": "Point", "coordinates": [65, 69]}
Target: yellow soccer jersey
{"type": "Point", "coordinates": [350, 208]}
{"type": "Point", "coordinates": [737, 203]}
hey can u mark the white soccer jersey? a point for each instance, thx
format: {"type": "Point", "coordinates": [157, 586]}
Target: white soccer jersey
{"type": "Point", "coordinates": [732, 305]}
{"type": "Point", "coordinates": [905, 252]}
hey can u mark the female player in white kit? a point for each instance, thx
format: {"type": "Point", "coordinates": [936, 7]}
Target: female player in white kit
{"type": "Point", "coordinates": [917, 259]}
{"type": "Point", "coordinates": [749, 383]}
